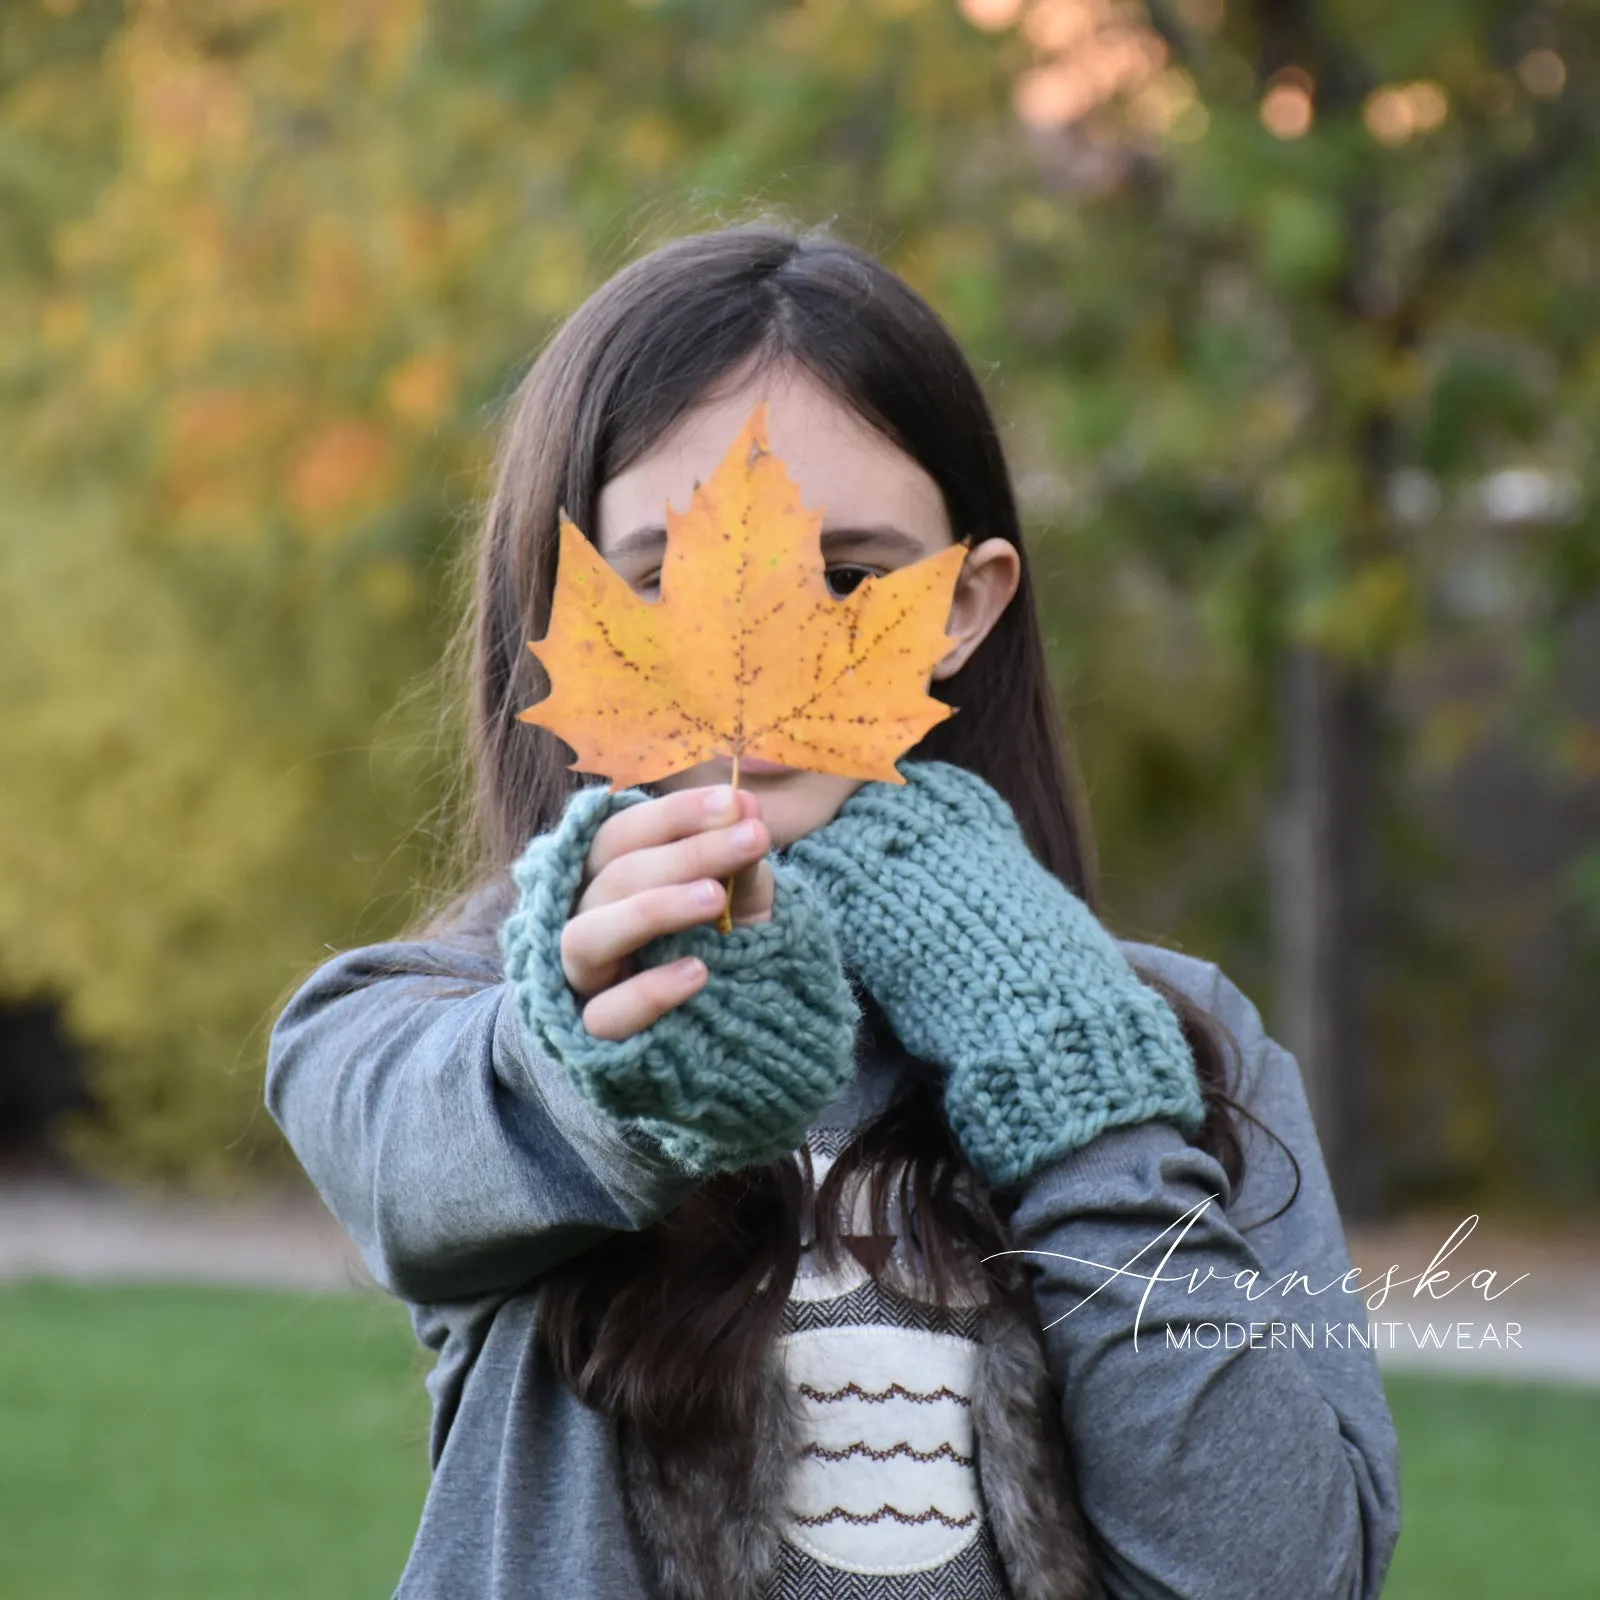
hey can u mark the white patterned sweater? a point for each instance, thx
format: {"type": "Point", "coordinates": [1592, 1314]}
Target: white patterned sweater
{"type": "Point", "coordinates": [885, 1503]}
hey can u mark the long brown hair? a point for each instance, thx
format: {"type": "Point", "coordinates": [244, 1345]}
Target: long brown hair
{"type": "Point", "coordinates": [667, 1327]}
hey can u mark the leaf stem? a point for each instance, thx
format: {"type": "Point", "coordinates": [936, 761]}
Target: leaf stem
{"type": "Point", "coordinates": [725, 921]}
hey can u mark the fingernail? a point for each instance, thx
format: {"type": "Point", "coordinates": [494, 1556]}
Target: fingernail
{"type": "Point", "coordinates": [719, 802]}
{"type": "Point", "coordinates": [708, 893]}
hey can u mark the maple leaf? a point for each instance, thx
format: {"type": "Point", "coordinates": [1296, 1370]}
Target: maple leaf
{"type": "Point", "coordinates": [747, 652]}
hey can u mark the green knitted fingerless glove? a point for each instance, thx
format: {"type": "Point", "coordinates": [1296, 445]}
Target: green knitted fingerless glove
{"type": "Point", "coordinates": [985, 963]}
{"type": "Point", "coordinates": [735, 1074]}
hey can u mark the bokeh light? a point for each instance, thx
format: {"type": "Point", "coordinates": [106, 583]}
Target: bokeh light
{"type": "Point", "coordinates": [1396, 112]}
{"type": "Point", "coordinates": [1087, 51]}
{"type": "Point", "coordinates": [1543, 73]}
{"type": "Point", "coordinates": [1287, 111]}
{"type": "Point", "coordinates": [991, 15]}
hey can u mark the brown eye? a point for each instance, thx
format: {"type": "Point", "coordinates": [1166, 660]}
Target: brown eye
{"type": "Point", "coordinates": [852, 577]}
{"type": "Point", "coordinates": [863, 573]}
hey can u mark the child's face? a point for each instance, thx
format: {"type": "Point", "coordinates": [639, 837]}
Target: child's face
{"type": "Point", "coordinates": [882, 509]}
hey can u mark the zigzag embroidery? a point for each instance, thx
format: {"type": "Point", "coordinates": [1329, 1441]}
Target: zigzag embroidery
{"type": "Point", "coordinates": [854, 1391]}
{"type": "Point", "coordinates": [891, 1513]}
{"type": "Point", "coordinates": [945, 1452]}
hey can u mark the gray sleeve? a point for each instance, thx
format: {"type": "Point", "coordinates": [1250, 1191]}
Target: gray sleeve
{"type": "Point", "coordinates": [458, 1156]}
{"type": "Point", "coordinates": [1230, 1431]}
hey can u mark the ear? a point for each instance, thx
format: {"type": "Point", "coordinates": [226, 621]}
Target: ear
{"type": "Point", "coordinates": [989, 578]}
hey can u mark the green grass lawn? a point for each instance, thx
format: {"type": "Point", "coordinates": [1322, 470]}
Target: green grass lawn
{"type": "Point", "coordinates": [1499, 1488]}
{"type": "Point", "coordinates": [207, 1444]}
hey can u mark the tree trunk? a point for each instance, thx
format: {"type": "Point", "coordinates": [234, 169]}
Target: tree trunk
{"type": "Point", "coordinates": [1322, 884]}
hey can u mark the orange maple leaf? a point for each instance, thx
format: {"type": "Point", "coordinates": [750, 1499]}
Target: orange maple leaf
{"type": "Point", "coordinates": [747, 652]}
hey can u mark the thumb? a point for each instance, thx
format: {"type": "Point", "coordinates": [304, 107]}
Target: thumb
{"type": "Point", "coordinates": [753, 893]}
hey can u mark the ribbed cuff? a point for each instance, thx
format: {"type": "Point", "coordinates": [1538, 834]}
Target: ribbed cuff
{"type": "Point", "coordinates": [1015, 1117]}
{"type": "Point", "coordinates": [734, 1074]}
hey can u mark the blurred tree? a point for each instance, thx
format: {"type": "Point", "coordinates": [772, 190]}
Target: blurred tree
{"type": "Point", "coordinates": [1266, 296]}
{"type": "Point", "coordinates": [1336, 280]}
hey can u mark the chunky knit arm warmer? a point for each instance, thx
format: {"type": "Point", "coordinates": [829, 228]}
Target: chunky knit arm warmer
{"type": "Point", "coordinates": [987, 964]}
{"type": "Point", "coordinates": [735, 1074]}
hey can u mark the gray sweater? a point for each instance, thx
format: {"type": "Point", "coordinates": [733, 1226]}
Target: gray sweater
{"type": "Point", "coordinates": [1230, 1434]}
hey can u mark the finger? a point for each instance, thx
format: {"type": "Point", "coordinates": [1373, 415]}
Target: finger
{"type": "Point", "coordinates": [629, 1008]}
{"type": "Point", "coordinates": [596, 943]}
{"type": "Point", "coordinates": [678, 815]}
{"type": "Point", "coordinates": [714, 852]}
{"type": "Point", "coordinates": [753, 893]}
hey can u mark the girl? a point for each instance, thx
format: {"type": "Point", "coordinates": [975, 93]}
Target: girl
{"type": "Point", "coordinates": [915, 1238]}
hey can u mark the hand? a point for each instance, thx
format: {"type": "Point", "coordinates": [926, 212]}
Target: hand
{"type": "Point", "coordinates": [721, 1070]}
{"type": "Point", "coordinates": [654, 868]}
{"type": "Point", "coordinates": [987, 964]}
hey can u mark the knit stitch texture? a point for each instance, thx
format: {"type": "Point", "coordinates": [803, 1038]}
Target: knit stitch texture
{"type": "Point", "coordinates": [735, 1074]}
{"type": "Point", "coordinates": [988, 965]}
